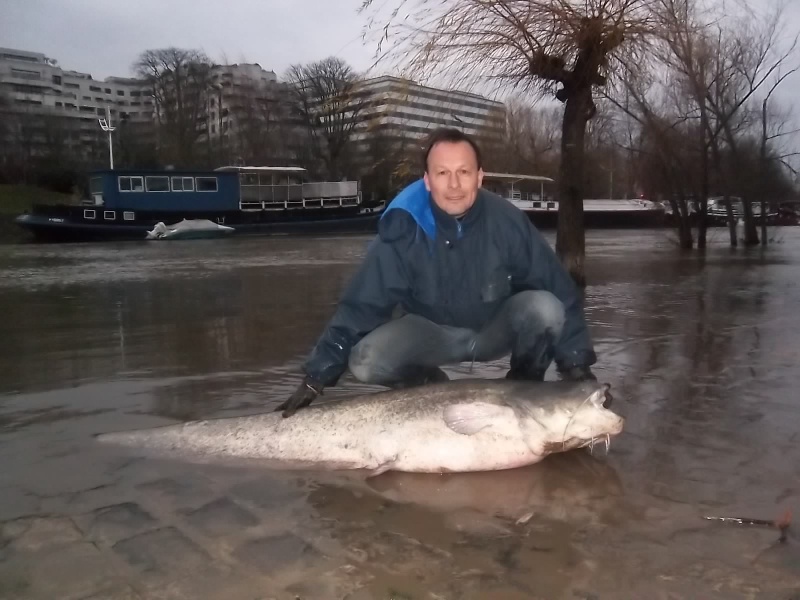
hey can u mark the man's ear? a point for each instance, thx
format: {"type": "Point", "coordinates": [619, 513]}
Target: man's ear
{"type": "Point", "coordinates": [480, 177]}
{"type": "Point", "coordinates": [427, 183]}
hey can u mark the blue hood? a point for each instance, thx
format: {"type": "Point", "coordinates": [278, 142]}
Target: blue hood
{"type": "Point", "coordinates": [415, 199]}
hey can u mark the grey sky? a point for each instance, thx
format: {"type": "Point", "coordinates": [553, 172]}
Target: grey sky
{"type": "Point", "coordinates": [104, 37]}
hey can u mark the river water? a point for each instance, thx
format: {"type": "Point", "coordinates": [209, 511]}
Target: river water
{"type": "Point", "coordinates": [701, 351]}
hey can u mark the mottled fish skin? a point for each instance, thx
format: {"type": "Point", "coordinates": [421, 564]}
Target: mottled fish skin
{"type": "Point", "coordinates": [455, 426]}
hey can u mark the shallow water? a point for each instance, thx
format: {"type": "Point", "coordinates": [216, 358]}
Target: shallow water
{"type": "Point", "coordinates": [701, 352]}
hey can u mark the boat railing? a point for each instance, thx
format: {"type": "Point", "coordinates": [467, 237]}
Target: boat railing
{"type": "Point", "coordinates": [326, 194]}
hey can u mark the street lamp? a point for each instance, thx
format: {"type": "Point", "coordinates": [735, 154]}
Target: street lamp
{"type": "Point", "coordinates": [105, 125]}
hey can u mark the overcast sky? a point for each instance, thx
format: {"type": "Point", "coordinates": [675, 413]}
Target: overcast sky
{"type": "Point", "coordinates": [104, 37]}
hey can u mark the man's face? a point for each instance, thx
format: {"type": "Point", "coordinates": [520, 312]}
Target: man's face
{"type": "Point", "coordinates": [453, 177]}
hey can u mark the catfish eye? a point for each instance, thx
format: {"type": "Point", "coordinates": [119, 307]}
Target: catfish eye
{"type": "Point", "coordinates": [608, 399]}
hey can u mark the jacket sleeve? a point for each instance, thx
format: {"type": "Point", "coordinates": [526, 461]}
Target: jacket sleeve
{"type": "Point", "coordinates": [367, 302]}
{"type": "Point", "coordinates": [538, 267]}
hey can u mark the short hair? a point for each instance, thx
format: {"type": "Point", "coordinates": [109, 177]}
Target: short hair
{"type": "Point", "coordinates": [452, 135]}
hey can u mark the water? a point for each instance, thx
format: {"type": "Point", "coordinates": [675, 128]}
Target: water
{"type": "Point", "coordinates": [701, 352]}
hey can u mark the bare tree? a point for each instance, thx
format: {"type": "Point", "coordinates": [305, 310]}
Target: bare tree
{"type": "Point", "coordinates": [179, 80]}
{"type": "Point", "coordinates": [532, 136]}
{"type": "Point", "coordinates": [664, 144]}
{"type": "Point", "coordinates": [723, 61]}
{"type": "Point", "coordinates": [566, 47]}
{"type": "Point", "coordinates": [773, 131]}
{"type": "Point", "coordinates": [328, 100]}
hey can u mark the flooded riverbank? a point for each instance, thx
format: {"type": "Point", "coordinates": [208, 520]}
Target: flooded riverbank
{"type": "Point", "coordinates": [701, 352]}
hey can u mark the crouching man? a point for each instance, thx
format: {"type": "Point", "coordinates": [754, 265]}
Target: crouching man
{"type": "Point", "coordinates": [473, 278]}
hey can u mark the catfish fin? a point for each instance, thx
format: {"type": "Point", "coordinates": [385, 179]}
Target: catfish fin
{"type": "Point", "coordinates": [470, 418]}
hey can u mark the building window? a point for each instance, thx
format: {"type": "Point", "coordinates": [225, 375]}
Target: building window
{"type": "Point", "coordinates": [131, 184]}
{"type": "Point", "coordinates": [182, 184]}
{"type": "Point", "coordinates": [206, 184]}
{"type": "Point", "coordinates": [108, 90]}
{"type": "Point", "coordinates": [157, 183]}
{"type": "Point", "coordinates": [94, 88]}
{"type": "Point", "coordinates": [135, 93]}
{"type": "Point", "coordinates": [25, 74]}
{"type": "Point", "coordinates": [57, 79]}
{"type": "Point", "coordinates": [120, 92]}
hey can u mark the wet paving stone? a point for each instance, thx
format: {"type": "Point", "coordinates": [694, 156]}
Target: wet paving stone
{"type": "Point", "coordinates": [220, 517]}
{"type": "Point", "coordinates": [17, 503]}
{"type": "Point", "coordinates": [118, 593]}
{"type": "Point", "coordinates": [179, 491]}
{"type": "Point", "coordinates": [272, 553]}
{"type": "Point", "coordinates": [70, 572]}
{"type": "Point", "coordinates": [266, 493]}
{"type": "Point", "coordinates": [32, 534]}
{"type": "Point", "coordinates": [163, 551]}
{"type": "Point", "coordinates": [113, 523]}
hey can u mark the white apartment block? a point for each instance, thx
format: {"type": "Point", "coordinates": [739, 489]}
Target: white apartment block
{"type": "Point", "coordinates": [405, 110]}
{"type": "Point", "coordinates": [33, 85]}
{"type": "Point", "coordinates": [237, 92]}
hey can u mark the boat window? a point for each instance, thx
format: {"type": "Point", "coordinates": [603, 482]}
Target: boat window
{"type": "Point", "coordinates": [157, 183]}
{"type": "Point", "coordinates": [537, 204]}
{"type": "Point", "coordinates": [206, 184]}
{"type": "Point", "coordinates": [182, 184]}
{"type": "Point", "coordinates": [130, 184]}
{"type": "Point", "coordinates": [250, 179]}
{"type": "Point", "coordinates": [551, 205]}
{"type": "Point", "coordinates": [96, 185]}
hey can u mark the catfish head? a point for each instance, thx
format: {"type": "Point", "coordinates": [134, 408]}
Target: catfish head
{"type": "Point", "coordinates": [568, 415]}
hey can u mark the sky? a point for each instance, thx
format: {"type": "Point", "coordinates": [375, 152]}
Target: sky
{"type": "Point", "coordinates": [104, 37]}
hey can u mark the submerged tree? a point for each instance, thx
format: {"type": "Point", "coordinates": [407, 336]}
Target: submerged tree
{"type": "Point", "coordinates": [722, 61]}
{"type": "Point", "coordinates": [565, 47]}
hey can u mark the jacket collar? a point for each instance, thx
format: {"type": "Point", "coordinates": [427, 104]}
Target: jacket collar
{"type": "Point", "coordinates": [452, 227]}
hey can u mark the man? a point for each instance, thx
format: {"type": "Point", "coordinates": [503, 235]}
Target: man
{"type": "Point", "coordinates": [474, 278]}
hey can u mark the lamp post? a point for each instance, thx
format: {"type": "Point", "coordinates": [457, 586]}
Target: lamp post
{"type": "Point", "coordinates": [105, 125]}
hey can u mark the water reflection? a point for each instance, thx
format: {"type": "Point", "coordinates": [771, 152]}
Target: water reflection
{"type": "Point", "coordinates": [701, 351]}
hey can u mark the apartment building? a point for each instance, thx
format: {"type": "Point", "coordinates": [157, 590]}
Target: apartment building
{"type": "Point", "coordinates": [37, 96]}
{"type": "Point", "coordinates": [404, 110]}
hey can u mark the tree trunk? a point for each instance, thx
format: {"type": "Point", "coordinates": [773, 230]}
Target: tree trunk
{"type": "Point", "coordinates": [763, 222]}
{"type": "Point", "coordinates": [570, 235]}
{"type": "Point", "coordinates": [750, 230]}
{"type": "Point", "coordinates": [731, 221]}
{"type": "Point", "coordinates": [702, 212]}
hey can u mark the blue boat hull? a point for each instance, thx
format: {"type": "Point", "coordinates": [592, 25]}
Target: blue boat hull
{"type": "Point", "coordinates": [66, 223]}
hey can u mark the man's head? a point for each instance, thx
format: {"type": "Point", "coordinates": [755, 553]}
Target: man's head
{"type": "Point", "coordinates": [453, 170]}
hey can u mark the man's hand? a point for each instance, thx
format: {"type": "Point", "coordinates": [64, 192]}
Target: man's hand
{"type": "Point", "coordinates": [578, 373]}
{"type": "Point", "coordinates": [304, 395]}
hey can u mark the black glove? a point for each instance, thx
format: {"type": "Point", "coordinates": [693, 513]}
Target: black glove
{"type": "Point", "coordinates": [578, 373]}
{"type": "Point", "coordinates": [304, 395]}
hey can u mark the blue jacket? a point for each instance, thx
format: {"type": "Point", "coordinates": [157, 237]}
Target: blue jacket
{"type": "Point", "coordinates": [453, 272]}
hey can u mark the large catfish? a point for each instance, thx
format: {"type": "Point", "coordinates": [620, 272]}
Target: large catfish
{"type": "Point", "coordinates": [456, 426]}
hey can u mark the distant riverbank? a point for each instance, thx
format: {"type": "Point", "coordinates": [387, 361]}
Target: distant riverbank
{"type": "Point", "coordinates": [16, 199]}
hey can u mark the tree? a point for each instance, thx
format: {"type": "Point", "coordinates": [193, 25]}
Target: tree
{"type": "Point", "coordinates": [531, 139]}
{"type": "Point", "coordinates": [723, 60]}
{"type": "Point", "coordinates": [180, 81]}
{"type": "Point", "coordinates": [327, 99]}
{"type": "Point", "coordinates": [566, 47]}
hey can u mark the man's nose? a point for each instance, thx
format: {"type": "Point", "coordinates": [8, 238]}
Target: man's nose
{"type": "Point", "coordinates": [452, 181]}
